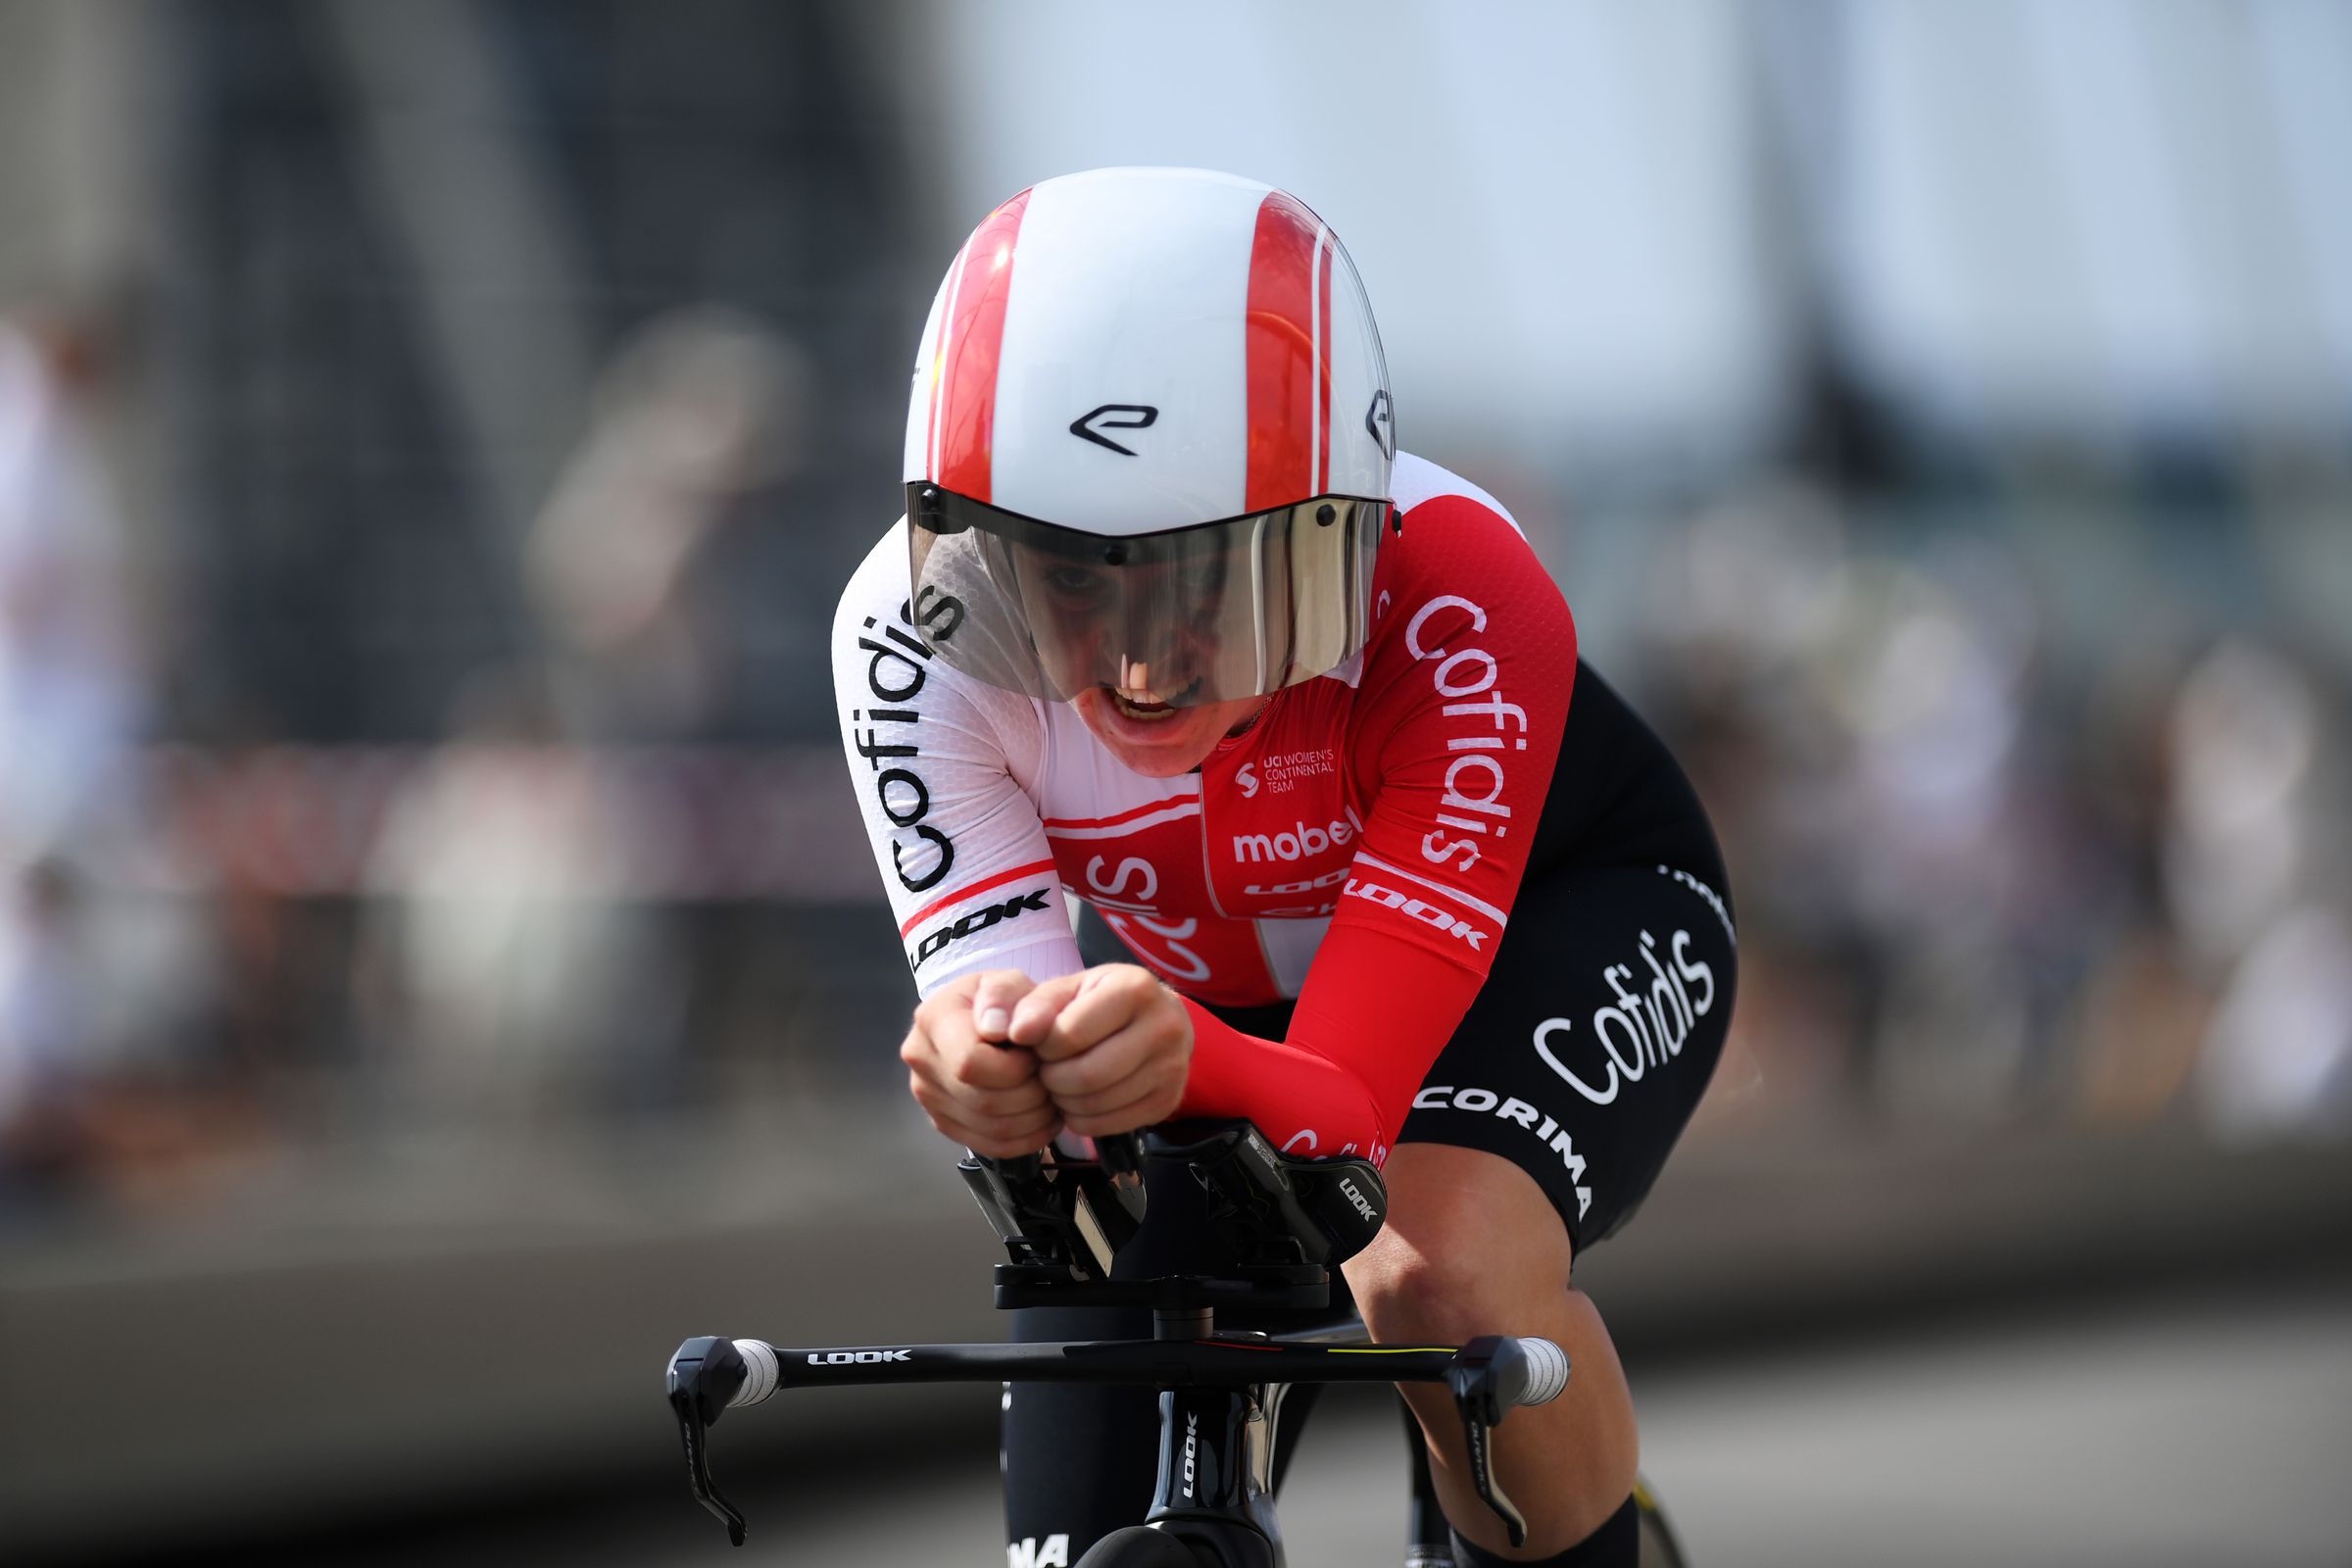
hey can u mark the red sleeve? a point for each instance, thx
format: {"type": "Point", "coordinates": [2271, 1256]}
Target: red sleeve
{"type": "Point", "coordinates": [1455, 733]}
{"type": "Point", "coordinates": [1343, 1101]}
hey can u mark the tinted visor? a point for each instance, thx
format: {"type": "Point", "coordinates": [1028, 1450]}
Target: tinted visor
{"type": "Point", "coordinates": [1238, 608]}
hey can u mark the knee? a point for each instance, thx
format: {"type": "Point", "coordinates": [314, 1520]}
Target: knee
{"type": "Point", "coordinates": [1408, 1292]}
{"type": "Point", "coordinates": [1463, 1254]}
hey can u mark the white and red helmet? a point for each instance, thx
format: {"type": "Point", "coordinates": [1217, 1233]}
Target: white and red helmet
{"type": "Point", "coordinates": [1149, 443]}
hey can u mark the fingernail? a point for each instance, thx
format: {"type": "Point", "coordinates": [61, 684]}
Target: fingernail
{"type": "Point", "coordinates": [995, 1021]}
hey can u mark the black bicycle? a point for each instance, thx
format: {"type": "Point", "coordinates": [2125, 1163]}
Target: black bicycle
{"type": "Point", "coordinates": [1287, 1221]}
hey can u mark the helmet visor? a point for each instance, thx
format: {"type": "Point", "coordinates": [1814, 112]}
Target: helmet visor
{"type": "Point", "coordinates": [1237, 608]}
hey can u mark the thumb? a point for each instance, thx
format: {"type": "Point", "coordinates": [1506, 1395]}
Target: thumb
{"type": "Point", "coordinates": [1033, 1016]}
{"type": "Point", "coordinates": [993, 1001]}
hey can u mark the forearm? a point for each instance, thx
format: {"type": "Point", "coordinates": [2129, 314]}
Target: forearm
{"type": "Point", "coordinates": [1304, 1101]}
{"type": "Point", "coordinates": [1375, 1014]}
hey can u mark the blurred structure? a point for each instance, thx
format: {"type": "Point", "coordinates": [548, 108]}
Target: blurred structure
{"type": "Point", "coordinates": [71, 688]}
{"type": "Point", "coordinates": [2258, 872]}
{"type": "Point", "coordinates": [505, 967]}
{"type": "Point", "coordinates": [699, 413]}
{"type": "Point", "coordinates": [1937, 414]}
{"type": "Point", "coordinates": [63, 701]}
{"type": "Point", "coordinates": [99, 986]}
{"type": "Point", "coordinates": [433, 437]}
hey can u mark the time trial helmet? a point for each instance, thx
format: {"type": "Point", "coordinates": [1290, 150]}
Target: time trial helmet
{"type": "Point", "coordinates": [1149, 443]}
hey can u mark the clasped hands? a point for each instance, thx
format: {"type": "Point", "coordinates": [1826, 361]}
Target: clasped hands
{"type": "Point", "coordinates": [1001, 1063]}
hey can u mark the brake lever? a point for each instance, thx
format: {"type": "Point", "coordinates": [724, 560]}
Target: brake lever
{"type": "Point", "coordinates": [704, 1375]}
{"type": "Point", "coordinates": [1476, 1377]}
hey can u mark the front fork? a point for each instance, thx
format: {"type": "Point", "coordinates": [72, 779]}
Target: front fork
{"type": "Point", "coordinates": [1216, 1471]}
{"type": "Point", "coordinates": [1216, 1453]}
{"type": "Point", "coordinates": [1429, 1538]}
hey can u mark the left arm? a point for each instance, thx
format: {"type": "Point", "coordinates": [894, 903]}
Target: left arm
{"type": "Point", "coordinates": [1466, 700]}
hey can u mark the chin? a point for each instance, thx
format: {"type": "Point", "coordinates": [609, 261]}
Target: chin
{"type": "Point", "coordinates": [1162, 765]}
{"type": "Point", "coordinates": [1165, 749]}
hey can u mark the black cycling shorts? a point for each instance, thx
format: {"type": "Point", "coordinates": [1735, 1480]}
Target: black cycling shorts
{"type": "Point", "coordinates": [1588, 1049]}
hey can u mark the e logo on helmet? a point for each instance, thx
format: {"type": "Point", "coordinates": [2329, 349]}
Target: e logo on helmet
{"type": "Point", "coordinates": [1089, 427]}
{"type": "Point", "coordinates": [1379, 425]}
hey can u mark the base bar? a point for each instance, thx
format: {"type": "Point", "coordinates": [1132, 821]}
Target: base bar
{"type": "Point", "coordinates": [1201, 1363]}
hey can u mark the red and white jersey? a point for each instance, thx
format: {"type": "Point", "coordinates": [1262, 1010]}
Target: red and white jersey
{"type": "Point", "coordinates": [1358, 849]}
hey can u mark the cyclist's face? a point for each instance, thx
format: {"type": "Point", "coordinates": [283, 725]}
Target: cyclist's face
{"type": "Point", "coordinates": [1140, 640]}
{"type": "Point", "coordinates": [1102, 623]}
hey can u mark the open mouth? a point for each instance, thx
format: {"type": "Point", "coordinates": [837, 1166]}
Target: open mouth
{"type": "Point", "coordinates": [1149, 706]}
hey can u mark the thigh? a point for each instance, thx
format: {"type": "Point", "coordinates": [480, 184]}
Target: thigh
{"type": "Point", "coordinates": [1593, 1038]}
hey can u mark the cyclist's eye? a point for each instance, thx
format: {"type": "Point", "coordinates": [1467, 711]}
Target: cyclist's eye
{"type": "Point", "coordinates": [1075, 583]}
{"type": "Point", "coordinates": [1203, 580]}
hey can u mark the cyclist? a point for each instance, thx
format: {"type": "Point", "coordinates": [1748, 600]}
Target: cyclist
{"type": "Point", "coordinates": [1172, 635]}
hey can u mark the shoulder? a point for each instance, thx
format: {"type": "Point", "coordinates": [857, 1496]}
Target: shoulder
{"type": "Point", "coordinates": [1460, 573]}
{"type": "Point", "coordinates": [878, 651]}
{"type": "Point", "coordinates": [1454, 538]}
{"type": "Point", "coordinates": [884, 670]}
{"type": "Point", "coordinates": [1415, 482]}
{"type": "Point", "coordinates": [878, 623]}
{"type": "Point", "coordinates": [875, 589]}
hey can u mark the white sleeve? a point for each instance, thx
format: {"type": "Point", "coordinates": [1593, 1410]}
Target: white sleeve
{"type": "Point", "coordinates": [934, 757]}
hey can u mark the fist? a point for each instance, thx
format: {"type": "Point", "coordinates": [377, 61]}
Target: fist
{"type": "Point", "coordinates": [976, 1088]}
{"type": "Point", "coordinates": [1113, 1045]}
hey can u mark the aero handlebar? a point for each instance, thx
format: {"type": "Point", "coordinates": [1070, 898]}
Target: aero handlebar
{"type": "Point", "coordinates": [1064, 1219]}
{"type": "Point", "coordinates": [1488, 1377]}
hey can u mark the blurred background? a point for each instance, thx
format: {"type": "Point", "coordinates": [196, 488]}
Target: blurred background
{"type": "Point", "coordinates": [439, 964]}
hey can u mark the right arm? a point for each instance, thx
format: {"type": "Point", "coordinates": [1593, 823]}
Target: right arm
{"type": "Point", "coordinates": [963, 854]}
{"type": "Point", "coordinates": [933, 757]}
